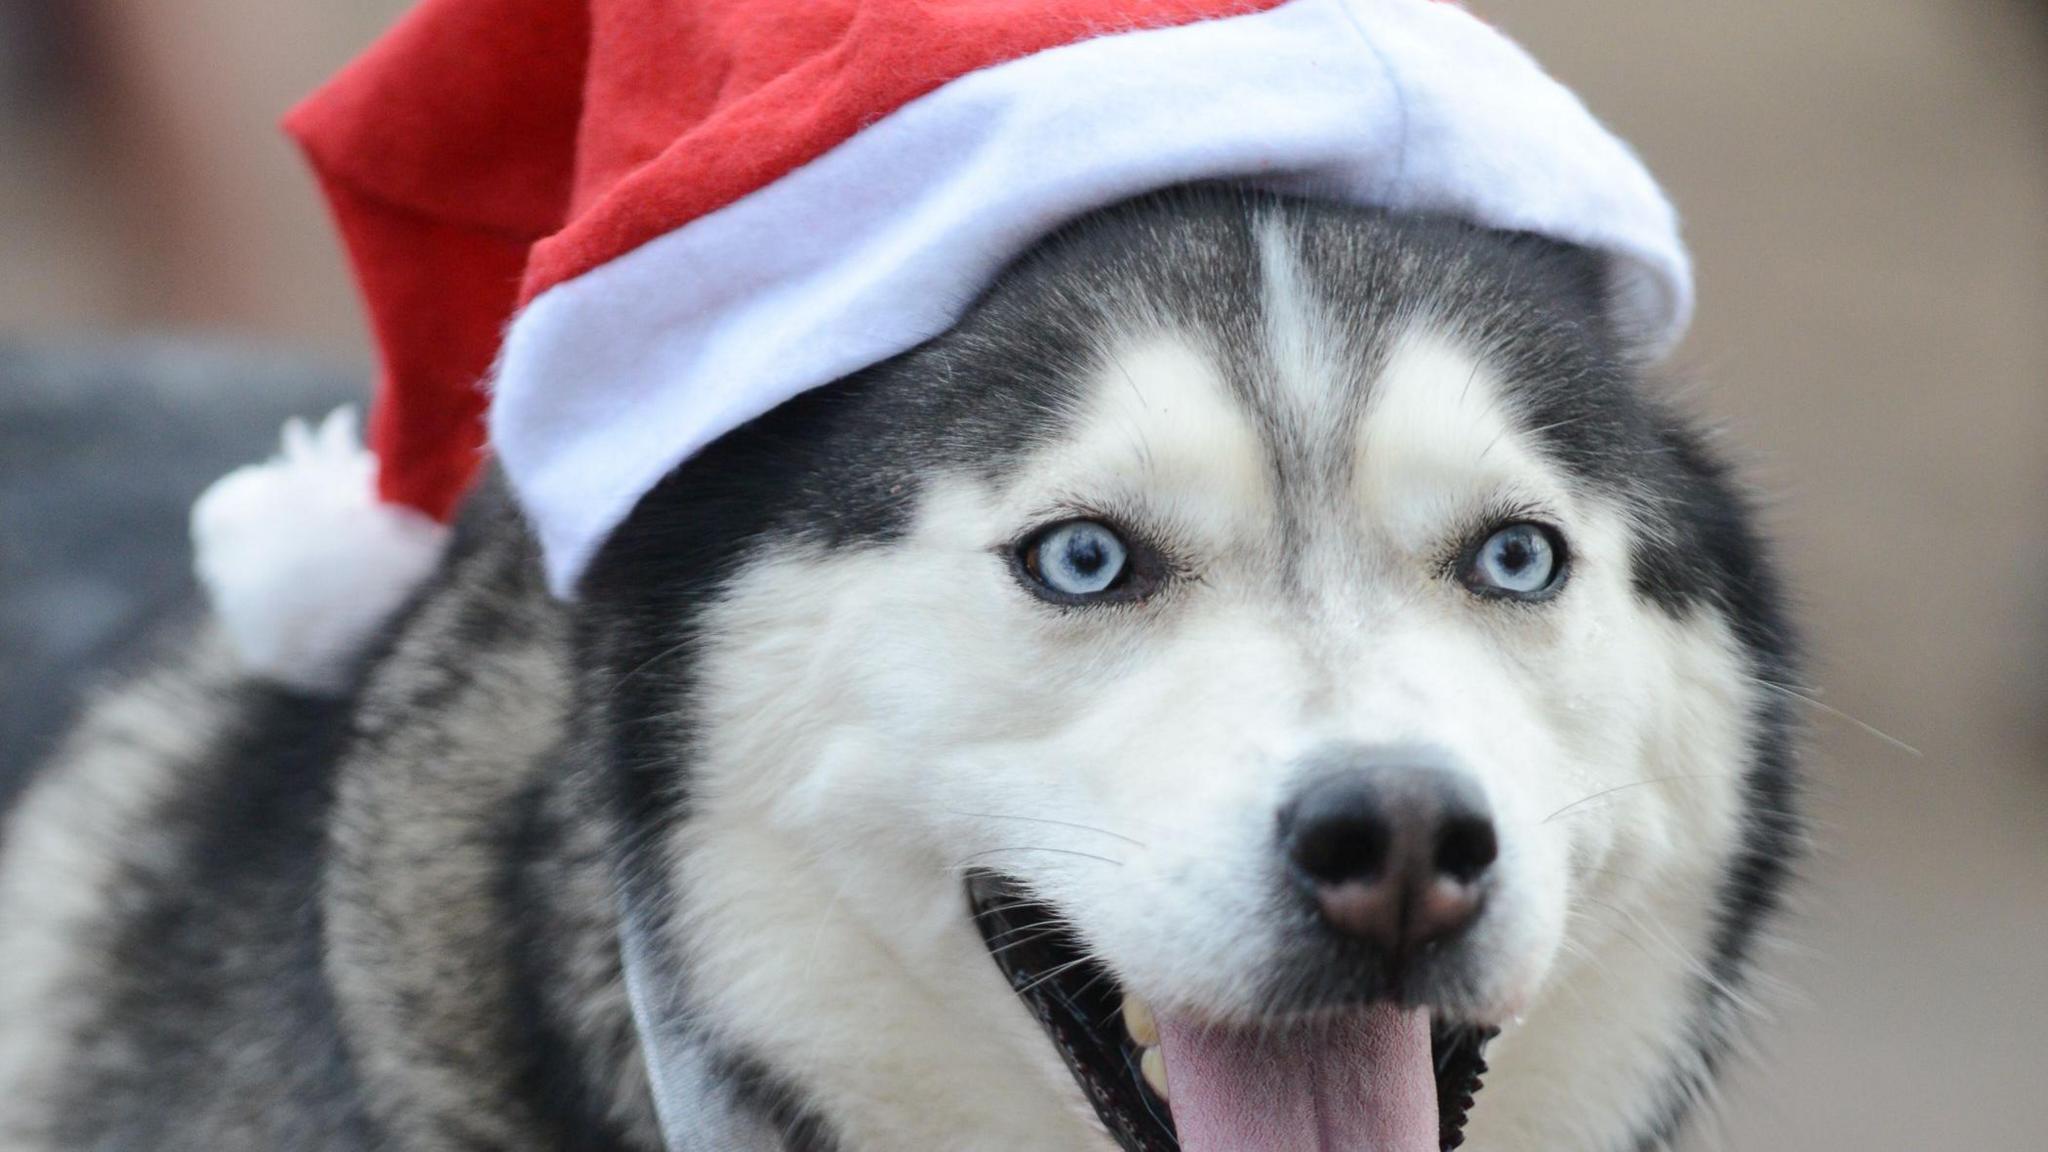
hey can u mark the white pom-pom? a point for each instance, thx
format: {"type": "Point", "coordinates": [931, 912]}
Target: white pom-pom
{"type": "Point", "coordinates": [302, 562]}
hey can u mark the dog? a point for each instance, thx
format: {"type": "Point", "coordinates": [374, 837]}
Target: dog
{"type": "Point", "coordinates": [1267, 665]}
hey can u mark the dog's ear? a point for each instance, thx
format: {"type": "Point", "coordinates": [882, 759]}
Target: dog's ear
{"type": "Point", "coordinates": [1628, 292]}
{"type": "Point", "coordinates": [1595, 291]}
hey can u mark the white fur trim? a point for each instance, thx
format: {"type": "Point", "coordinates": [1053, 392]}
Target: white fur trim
{"type": "Point", "coordinates": [302, 562]}
{"type": "Point", "coordinates": [609, 380]}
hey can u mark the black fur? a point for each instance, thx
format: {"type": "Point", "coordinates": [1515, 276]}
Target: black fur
{"type": "Point", "coordinates": [227, 937]}
{"type": "Point", "coordinates": [222, 934]}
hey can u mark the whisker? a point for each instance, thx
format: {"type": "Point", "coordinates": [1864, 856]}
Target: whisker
{"type": "Point", "coordinates": [675, 649]}
{"type": "Point", "coordinates": [1056, 823]}
{"type": "Point", "coordinates": [1677, 952]}
{"type": "Point", "coordinates": [1618, 930]}
{"type": "Point", "coordinates": [1012, 931]}
{"type": "Point", "coordinates": [967, 861]}
{"type": "Point", "coordinates": [1138, 1077]}
{"type": "Point", "coordinates": [1052, 931]}
{"type": "Point", "coordinates": [1098, 978]}
{"type": "Point", "coordinates": [1555, 425]}
{"type": "Point", "coordinates": [818, 934]}
{"type": "Point", "coordinates": [1055, 974]}
{"type": "Point", "coordinates": [1869, 729]}
{"type": "Point", "coordinates": [999, 909]}
{"type": "Point", "coordinates": [1606, 792]}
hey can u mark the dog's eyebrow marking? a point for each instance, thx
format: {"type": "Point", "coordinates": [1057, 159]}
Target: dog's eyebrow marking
{"type": "Point", "coordinates": [1162, 420]}
{"type": "Point", "coordinates": [1435, 402]}
{"type": "Point", "coordinates": [1436, 438]}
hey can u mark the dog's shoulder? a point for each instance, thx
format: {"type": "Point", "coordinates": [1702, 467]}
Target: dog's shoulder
{"type": "Point", "coordinates": [151, 905]}
{"type": "Point", "coordinates": [188, 888]}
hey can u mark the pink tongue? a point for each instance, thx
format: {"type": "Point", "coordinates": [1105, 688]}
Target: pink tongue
{"type": "Point", "coordinates": [1362, 1082]}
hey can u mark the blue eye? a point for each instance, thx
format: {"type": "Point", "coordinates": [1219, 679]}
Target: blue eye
{"type": "Point", "coordinates": [1521, 561]}
{"type": "Point", "coordinates": [1078, 559]}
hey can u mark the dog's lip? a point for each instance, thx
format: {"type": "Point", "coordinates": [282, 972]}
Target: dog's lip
{"type": "Point", "coordinates": [1082, 1008]}
{"type": "Point", "coordinates": [1083, 1017]}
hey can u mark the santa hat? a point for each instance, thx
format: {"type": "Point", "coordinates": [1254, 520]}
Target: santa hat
{"type": "Point", "coordinates": [596, 235]}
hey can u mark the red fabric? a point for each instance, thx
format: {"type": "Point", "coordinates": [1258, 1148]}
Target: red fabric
{"type": "Point", "coordinates": [438, 293]}
{"type": "Point", "coordinates": [445, 152]}
{"type": "Point", "coordinates": [692, 105]}
{"type": "Point", "coordinates": [487, 150]}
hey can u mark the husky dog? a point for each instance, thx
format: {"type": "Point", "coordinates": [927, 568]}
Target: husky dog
{"type": "Point", "coordinates": [1266, 659]}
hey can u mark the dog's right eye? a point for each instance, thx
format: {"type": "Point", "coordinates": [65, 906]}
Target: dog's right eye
{"type": "Point", "coordinates": [1077, 561]}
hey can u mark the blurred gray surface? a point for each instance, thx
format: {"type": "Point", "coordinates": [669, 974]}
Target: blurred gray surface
{"type": "Point", "coordinates": [102, 449]}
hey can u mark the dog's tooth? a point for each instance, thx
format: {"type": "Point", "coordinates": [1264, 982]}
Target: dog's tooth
{"type": "Point", "coordinates": [1152, 1065]}
{"type": "Point", "coordinates": [1139, 1022]}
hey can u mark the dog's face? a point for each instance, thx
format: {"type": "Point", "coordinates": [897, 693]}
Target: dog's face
{"type": "Point", "coordinates": [1291, 622]}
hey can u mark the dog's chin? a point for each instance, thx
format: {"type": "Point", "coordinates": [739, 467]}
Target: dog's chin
{"type": "Point", "coordinates": [1361, 1069]}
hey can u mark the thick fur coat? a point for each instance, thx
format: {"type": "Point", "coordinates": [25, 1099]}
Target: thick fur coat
{"type": "Point", "coordinates": [815, 683]}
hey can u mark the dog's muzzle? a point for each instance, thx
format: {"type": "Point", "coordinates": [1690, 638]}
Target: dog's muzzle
{"type": "Point", "coordinates": [1115, 1053]}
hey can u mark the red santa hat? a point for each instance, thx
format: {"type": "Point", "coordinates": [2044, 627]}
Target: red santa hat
{"type": "Point", "coordinates": [596, 235]}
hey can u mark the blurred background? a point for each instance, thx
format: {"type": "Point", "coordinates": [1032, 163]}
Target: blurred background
{"type": "Point", "coordinates": [1866, 186]}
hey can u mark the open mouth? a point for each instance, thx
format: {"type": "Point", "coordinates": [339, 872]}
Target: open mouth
{"type": "Point", "coordinates": [1372, 1078]}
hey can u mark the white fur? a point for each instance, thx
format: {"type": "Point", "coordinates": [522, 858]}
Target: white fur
{"type": "Point", "coordinates": [880, 720]}
{"type": "Point", "coordinates": [302, 562]}
{"type": "Point", "coordinates": [63, 851]}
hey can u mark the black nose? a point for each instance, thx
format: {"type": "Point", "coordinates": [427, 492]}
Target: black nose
{"type": "Point", "coordinates": [1392, 843]}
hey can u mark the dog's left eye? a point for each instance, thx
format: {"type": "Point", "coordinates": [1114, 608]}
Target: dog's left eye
{"type": "Point", "coordinates": [1521, 561]}
{"type": "Point", "coordinates": [1077, 560]}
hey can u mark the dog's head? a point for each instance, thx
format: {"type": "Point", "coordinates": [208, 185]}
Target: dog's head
{"type": "Point", "coordinates": [1288, 639]}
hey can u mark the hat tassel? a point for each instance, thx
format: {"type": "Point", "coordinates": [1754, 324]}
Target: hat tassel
{"type": "Point", "coordinates": [302, 562]}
